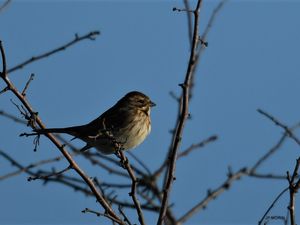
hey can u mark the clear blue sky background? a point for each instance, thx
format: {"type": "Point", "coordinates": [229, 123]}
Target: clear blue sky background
{"type": "Point", "coordinates": [252, 61]}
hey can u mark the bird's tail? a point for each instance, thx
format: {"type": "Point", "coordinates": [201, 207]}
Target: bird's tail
{"type": "Point", "coordinates": [68, 130]}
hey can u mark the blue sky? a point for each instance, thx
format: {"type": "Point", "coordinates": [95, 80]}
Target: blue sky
{"type": "Point", "coordinates": [252, 61]}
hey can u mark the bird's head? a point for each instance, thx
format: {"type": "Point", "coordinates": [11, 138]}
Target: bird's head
{"type": "Point", "coordinates": [137, 100]}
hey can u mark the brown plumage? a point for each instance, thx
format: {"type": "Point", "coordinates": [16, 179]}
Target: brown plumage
{"type": "Point", "coordinates": [125, 125]}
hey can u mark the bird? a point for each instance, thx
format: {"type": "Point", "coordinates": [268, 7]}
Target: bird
{"type": "Point", "coordinates": [122, 127]}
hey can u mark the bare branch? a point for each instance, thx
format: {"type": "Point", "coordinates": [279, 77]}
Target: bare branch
{"type": "Point", "coordinates": [124, 215]}
{"type": "Point", "coordinates": [4, 5]}
{"type": "Point", "coordinates": [185, 153]}
{"type": "Point", "coordinates": [4, 90]}
{"type": "Point", "coordinates": [3, 57]}
{"type": "Point", "coordinates": [272, 205]}
{"type": "Point", "coordinates": [136, 202]}
{"type": "Point", "coordinates": [90, 36]}
{"type": "Point", "coordinates": [27, 84]}
{"type": "Point", "coordinates": [213, 194]}
{"type": "Point", "coordinates": [269, 153]}
{"type": "Point", "coordinates": [87, 210]}
{"type": "Point", "coordinates": [12, 117]}
{"type": "Point", "coordinates": [267, 176]}
{"type": "Point", "coordinates": [116, 162]}
{"type": "Point", "coordinates": [45, 177]}
{"type": "Point", "coordinates": [278, 123]}
{"type": "Point", "coordinates": [212, 18]}
{"type": "Point", "coordinates": [140, 162]}
{"type": "Point", "coordinates": [16, 164]}
{"type": "Point", "coordinates": [30, 166]}
{"type": "Point", "coordinates": [293, 189]}
{"type": "Point", "coordinates": [170, 173]}
{"type": "Point", "coordinates": [189, 21]}
{"type": "Point", "coordinates": [182, 10]}
{"type": "Point", "coordinates": [198, 145]}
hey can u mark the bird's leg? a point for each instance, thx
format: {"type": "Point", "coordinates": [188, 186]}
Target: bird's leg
{"type": "Point", "coordinates": [86, 147]}
{"type": "Point", "coordinates": [119, 147]}
{"type": "Point", "coordinates": [123, 159]}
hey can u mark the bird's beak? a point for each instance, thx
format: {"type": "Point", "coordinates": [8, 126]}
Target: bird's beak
{"type": "Point", "coordinates": [152, 104]}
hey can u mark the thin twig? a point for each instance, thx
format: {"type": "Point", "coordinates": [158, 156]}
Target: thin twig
{"type": "Point", "coordinates": [135, 200]}
{"type": "Point", "coordinates": [4, 5]}
{"type": "Point", "coordinates": [87, 210]}
{"type": "Point", "coordinates": [4, 90]}
{"type": "Point", "coordinates": [91, 157]}
{"type": "Point", "coordinates": [45, 177]}
{"type": "Point", "coordinates": [90, 36]}
{"type": "Point", "coordinates": [16, 164]}
{"type": "Point", "coordinates": [212, 18]}
{"type": "Point", "coordinates": [272, 205]}
{"type": "Point", "coordinates": [12, 117]}
{"type": "Point", "coordinates": [212, 195]}
{"type": "Point", "coordinates": [140, 162]}
{"type": "Point", "coordinates": [278, 123]}
{"type": "Point", "coordinates": [30, 166]}
{"type": "Point", "coordinates": [293, 188]}
{"type": "Point", "coordinates": [126, 219]}
{"type": "Point", "coordinates": [196, 146]}
{"type": "Point", "coordinates": [189, 21]}
{"type": "Point", "coordinates": [114, 161]}
{"type": "Point", "coordinates": [3, 57]}
{"type": "Point", "coordinates": [286, 218]}
{"type": "Point", "coordinates": [112, 185]}
{"type": "Point", "coordinates": [267, 176]}
{"type": "Point", "coordinates": [272, 150]}
{"type": "Point", "coordinates": [27, 84]}
{"type": "Point", "coordinates": [185, 153]}
{"type": "Point", "coordinates": [203, 38]}
{"type": "Point", "coordinates": [269, 153]}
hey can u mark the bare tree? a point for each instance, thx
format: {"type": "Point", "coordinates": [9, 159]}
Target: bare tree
{"type": "Point", "coordinates": [146, 191]}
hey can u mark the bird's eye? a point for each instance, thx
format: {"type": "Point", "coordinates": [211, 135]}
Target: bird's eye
{"type": "Point", "coordinates": [141, 101]}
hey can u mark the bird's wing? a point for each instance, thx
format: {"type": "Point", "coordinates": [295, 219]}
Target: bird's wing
{"type": "Point", "coordinates": [113, 119]}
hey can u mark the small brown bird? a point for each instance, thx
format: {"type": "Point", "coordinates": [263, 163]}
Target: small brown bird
{"type": "Point", "coordinates": [126, 124]}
